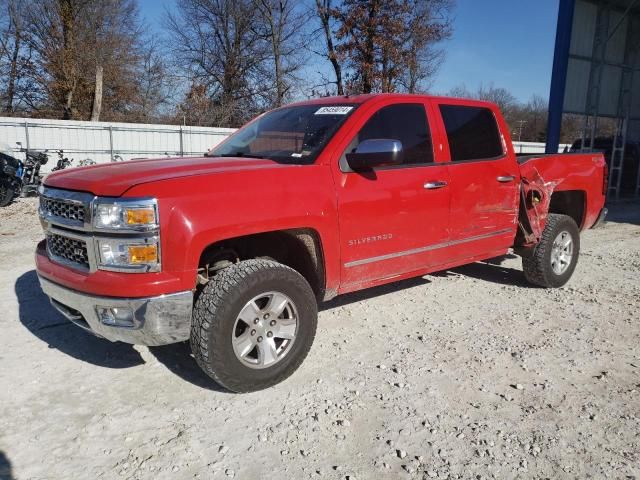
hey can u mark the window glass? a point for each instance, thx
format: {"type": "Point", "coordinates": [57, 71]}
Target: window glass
{"type": "Point", "coordinates": [472, 132]}
{"type": "Point", "coordinates": [287, 135]}
{"type": "Point", "coordinates": [406, 123]}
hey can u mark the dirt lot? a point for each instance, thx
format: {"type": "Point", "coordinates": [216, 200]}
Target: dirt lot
{"type": "Point", "coordinates": [465, 374]}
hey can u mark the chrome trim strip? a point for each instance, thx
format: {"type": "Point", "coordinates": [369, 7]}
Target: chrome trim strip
{"type": "Point", "coordinates": [428, 248]}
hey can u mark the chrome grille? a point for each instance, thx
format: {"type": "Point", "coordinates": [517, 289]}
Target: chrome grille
{"type": "Point", "coordinates": [62, 209]}
{"type": "Point", "coordinates": [68, 249]}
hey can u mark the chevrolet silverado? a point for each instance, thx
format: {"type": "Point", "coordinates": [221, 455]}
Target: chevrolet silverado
{"type": "Point", "coordinates": [234, 251]}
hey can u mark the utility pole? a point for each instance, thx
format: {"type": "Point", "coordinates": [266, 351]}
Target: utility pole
{"type": "Point", "coordinates": [521, 124]}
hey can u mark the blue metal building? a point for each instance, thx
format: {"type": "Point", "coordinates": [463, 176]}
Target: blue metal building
{"type": "Point", "coordinates": [596, 75]}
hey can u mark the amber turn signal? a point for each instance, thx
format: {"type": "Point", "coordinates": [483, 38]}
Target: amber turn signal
{"type": "Point", "coordinates": [141, 216]}
{"type": "Point", "coordinates": [143, 254]}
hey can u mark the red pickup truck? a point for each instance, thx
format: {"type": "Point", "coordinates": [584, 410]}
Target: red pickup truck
{"type": "Point", "coordinates": [233, 251]}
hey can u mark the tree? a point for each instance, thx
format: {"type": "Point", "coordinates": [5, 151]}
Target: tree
{"type": "Point", "coordinates": [427, 27]}
{"type": "Point", "coordinates": [87, 55]}
{"type": "Point", "coordinates": [326, 14]}
{"type": "Point", "coordinates": [279, 25]}
{"type": "Point", "coordinates": [390, 44]}
{"type": "Point", "coordinates": [155, 84]}
{"type": "Point", "coordinates": [15, 57]}
{"type": "Point", "coordinates": [217, 45]}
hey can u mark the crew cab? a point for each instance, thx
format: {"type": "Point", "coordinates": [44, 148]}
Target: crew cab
{"type": "Point", "coordinates": [233, 251]}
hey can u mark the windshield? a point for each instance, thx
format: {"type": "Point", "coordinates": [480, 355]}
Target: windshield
{"type": "Point", "coordinates": [287, 135]}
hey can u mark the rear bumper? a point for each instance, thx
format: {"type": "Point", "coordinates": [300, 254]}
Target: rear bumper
{"type": "Point", "coordinates": [156, 320]}
{"type": "Point", "coordinates": [601, 218]}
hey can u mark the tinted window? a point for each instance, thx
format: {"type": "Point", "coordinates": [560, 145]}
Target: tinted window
{"type": "Point", "coordinates": [472, 132]}
{"type": "Point", "coordinates": [406, 123]}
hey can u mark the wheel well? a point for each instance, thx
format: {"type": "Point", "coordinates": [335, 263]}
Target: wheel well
{"type": "Point", "coordinates": [299, 249]}
{"type": "Point", "coordinates": [569, 202]}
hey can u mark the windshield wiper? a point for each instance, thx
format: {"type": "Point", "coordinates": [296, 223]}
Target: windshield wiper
{"type": "Point", "coordinates": [238, 154]}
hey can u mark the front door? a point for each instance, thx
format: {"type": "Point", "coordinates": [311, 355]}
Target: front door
{"type": "Point", "coordinates": [393, 219]}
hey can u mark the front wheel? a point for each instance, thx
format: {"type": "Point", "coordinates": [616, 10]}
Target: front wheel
{"type": "Point", "coordinates": [253, 325]}
{"type": "Point", "coordinates": [552, 261]}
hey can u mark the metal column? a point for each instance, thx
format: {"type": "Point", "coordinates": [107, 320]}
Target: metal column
{"type": "Point", "coordinates": [559, 78]}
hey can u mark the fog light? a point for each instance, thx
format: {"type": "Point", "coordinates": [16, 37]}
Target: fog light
{"type": "Point", "coordinates": [116, 316]}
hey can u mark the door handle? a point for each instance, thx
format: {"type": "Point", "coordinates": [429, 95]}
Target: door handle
{"type": "Point", "coordinates": [434, 185]}
{"type": "Point", "coordinates": [506, 178]}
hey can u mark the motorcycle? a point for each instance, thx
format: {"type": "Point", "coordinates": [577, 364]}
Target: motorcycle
{"type": "Point", "coordinates": [10, 169]}
{"type": "Point", "coordinates": [62, 163]}
{"type": "Point", "coordinates": [86, 162]}
{"type": "Point", "coordinates": [29, 173]}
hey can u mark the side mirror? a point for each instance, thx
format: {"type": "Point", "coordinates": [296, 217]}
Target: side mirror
{"type": "Point", "coordinates": [376, 152]}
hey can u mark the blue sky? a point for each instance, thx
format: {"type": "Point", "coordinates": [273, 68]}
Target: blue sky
{"type": "Point", "coordinates": [505, 43]}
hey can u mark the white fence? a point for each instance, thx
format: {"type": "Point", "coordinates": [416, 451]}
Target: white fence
{"type": "Point", "coordinates": [104, 142]}
{"type": "Point", "coordinates": [533, 148]}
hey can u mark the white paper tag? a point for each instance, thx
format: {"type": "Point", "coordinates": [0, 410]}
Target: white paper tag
{"type": "Point", "coordinates": [333, 110]}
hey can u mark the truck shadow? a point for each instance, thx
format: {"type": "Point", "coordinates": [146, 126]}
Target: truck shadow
{"type": "Point", "coordinates": [624, 213]}
{"type": "Point", "coordinates": [361, 295]}
{"type": "Point", "coordinates": [47, 324]}
{"type": "Point", "coordinates": [492, 271]}
{"type": "Point", "coordinates": [5, 467]}
{"type": "Point", "coordinates": [178, 359]}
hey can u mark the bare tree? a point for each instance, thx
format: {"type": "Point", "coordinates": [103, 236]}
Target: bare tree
{"type": "Point", "coordinates": [218, 47]}
{"type": "Point", "coordinates": [326, 15]}
{"type": "Point", "coordinates": [279, 25]}
{"type": "Point", "coordinates": [14, 53]}
{"type": "Point", "coordinates": [156, 84]}
{"type": "Point", "coordinates": [428, 24]}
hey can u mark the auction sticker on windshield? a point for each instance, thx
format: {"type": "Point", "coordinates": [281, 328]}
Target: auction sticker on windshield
{"type": "Point", "coordinates": [333, 110]}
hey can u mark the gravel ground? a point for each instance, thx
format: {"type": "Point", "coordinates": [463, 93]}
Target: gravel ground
{"type": "Point", "coordinates": [468, 373]}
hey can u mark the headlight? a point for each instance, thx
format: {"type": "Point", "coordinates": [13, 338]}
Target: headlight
{"type": "Point", "coordinates": [126, 215]}
{"type": "Point", "coordinates": [129, 254]}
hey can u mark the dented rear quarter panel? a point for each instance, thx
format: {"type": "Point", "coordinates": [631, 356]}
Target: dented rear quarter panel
{"type": "Point", "coordinates": [565, 172]}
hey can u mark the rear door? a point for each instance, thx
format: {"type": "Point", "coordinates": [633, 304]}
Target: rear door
{"type": "Point", "coordinates": [484, 179]}
{"type": "Point", "coordinates": [391, 223]}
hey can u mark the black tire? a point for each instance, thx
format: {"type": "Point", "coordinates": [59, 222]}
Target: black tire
{"type": "Point", "coordinates": [537, 264]}
{"type": "Point", "coordinates": [217, 308]}
{"type": "Point", "coordinates": [6, 193]}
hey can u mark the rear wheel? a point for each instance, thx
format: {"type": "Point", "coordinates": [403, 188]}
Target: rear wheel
{"type": "Point", "coordinates": [253, 325]}
{"type": "Point", "coordinates": [553, 260]}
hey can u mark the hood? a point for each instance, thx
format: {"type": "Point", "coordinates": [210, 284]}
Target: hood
{"type": "Point", "coordinates": [114, 179]}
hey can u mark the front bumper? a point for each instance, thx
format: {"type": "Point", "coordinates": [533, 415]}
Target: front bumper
{"type": "Point", "coordinates": [157, 320]}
